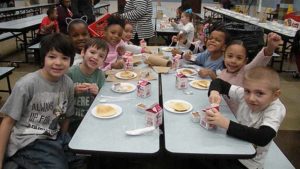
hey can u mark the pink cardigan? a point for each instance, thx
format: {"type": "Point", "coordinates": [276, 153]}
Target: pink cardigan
{"type": "Point", "coordinates": [112, 56]}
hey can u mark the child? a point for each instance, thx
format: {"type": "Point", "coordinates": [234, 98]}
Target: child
{"type": "Point", "coordinates": [49, 23]}
{"type": "Point", "coordinates": [88, 79]}
{"type": "Point", "coordinates": [236, 58]}
{"type": "Point", "coordinates": [63, 12]}
{"type": "Point", "coordinates": [127, 35]}
{"type": "Point", "coordinates": [295, 51]}
{"type": "Point", "coordinates": [186, 26]}
{"type": "Point", "coordinates": [29, 131]}
{"type": "Point", "coordinates": [212, 58]}
{"type": "Point", "coordinates": [78, 32]}
{"type": "Point", "coordinates": [259, 114]}
{"type": "Point", "coordinates": [112, 35]}
{"type": "Point", "coordinates": [197, 46]}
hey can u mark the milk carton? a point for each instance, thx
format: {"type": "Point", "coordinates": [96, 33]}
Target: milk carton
{"type": "Point", "coordinates": [143, 88]}
{"type": "Point", "coordinates": [143, 43]}
{"type": "Point", "coordinates": [154, 115]}
{"type": "Point", "coordinates": [128, 60]}
{"type": "Point", "coordinates": [203, 121]}
{"type": "Point", "coordinates": [181, 81]}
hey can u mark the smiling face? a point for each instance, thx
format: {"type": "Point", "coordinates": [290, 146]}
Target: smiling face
{"type": "Point", "coordinates": [55, 65]}
{"type": "Point", "coordinates": [258, 94]}
{"type": "Point", "coordinates": [235, 58]}
{"type": "Point", "coordinates": [127, 33]}
{"type": "Point", "coordinates": [113, 34]}
{"type": "Point", "coordinates": [93, 58]}
{"type": "Point", "coordinates": [79, 35]}
{"type": "Point", "coordinates": [216, 42]}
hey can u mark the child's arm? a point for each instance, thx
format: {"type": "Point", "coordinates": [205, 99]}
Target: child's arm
{"type": "Point", "coordinates": [264, 56]}
{"type": "Point", "coordinates": [207, 72]}
{"type": "Point", "coordinates": [261, 136]}
{"type": "Point", "coordinates": [136, 14]}
{"type": "Point", "coordinates": [5, 130]}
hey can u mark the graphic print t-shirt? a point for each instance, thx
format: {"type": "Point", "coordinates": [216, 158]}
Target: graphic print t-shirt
{"type": "Point", "coordinates": [37, 105]}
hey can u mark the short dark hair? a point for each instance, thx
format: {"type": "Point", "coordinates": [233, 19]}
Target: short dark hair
{"type": "Point", "coordinates": [51, 10]}
{"type": "Point", "coordinates": [115, 20]}
{"type": "Point", "coordinates": [96, 42]}
{"type": "Point", "coordinates": [59, 42]}
{"type": "Point", "coordinates": [227, 35]}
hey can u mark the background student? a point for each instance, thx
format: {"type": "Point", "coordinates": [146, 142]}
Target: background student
{"type": "Point", "coordinates": [49, 24]}
{"type": "Point", "coordinates": [79, 34]}
{"type": "Point", "coordinates": [212, 58]}
{"type": "Point", "coordinates": [38, 110]}
{"type": "Point", "coordinates": [63, 12]}
{"type": "Point", "coordinates": [139, 14]}
{"type": "Point", "coordinates": [259, 115]}
{"type": "Point", "coordinates": [186, 26]}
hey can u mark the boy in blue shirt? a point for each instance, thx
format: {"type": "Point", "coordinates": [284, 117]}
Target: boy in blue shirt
{"type": "Point", "coordinates": [38, 109]}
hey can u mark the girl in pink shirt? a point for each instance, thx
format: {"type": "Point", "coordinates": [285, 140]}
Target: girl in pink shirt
{"type": "Point", "coordinates": [113, 35]}
{"type": "Point", "coordinates": [236, 58]}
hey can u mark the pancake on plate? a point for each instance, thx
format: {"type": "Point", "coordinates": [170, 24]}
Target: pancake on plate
{"type": "Point", "coordinates": [123, 87]}
{"type": "Point", "coordinates": [167, 49]}
{"type": "Point", "coordinates": [201, 83]}
{"type": "Point", "coordinates": [179, 106]}
{"type": "Point", "coordinates": [105, 110]}
{"type": "Point", "coordinates": [126, 74]}
{"type": "Point", "coordinates": [187, 72]}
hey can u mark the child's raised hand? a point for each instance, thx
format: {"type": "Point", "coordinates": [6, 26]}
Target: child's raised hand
{"type": "Point", "coordinates": [174, 39]}
{"type": "Point", "coordinates": [273, 41]}
{"type": "Point", "coordinates": [215, 97]}
{"type": "Point", "coordinates": [121, 50]}
{"type": "Point", "coordinates": [213, 116]}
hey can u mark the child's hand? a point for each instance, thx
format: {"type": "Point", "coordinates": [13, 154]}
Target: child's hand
{"type": "Point", "coordinates": [147, 50]}
{"type": "Point", "coordinates": [187, 55]}
{"type": "Point", "coordinates": [205, 72]}
{"type": "Point", "coordinates": [118, 64]}
{"type": "Point", "coordinates": [174, 39]}
{"type": "Point", "coordinates": [121, 50]}
{"type": "Point", "coordinates": [274, 40]}
{"type": "Point", "coordinates": [213, 116]}
{"type": "Point", "coordinates": [173, 23]}
{"type": "Point", "coordinates": [215, 97]}
{"type": "Point", "coordinates": [175, 51]}
{"type": "Point", "coordinates": [93, 88]}
{"type": "Point", "coordinates": [81, 88]}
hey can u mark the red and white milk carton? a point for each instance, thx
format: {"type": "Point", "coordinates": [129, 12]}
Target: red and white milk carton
{"type": "Point", "coordinates": [154, 115]}
{"type": "Point", "coordinates": [128, 60]}
{"type": "Point", "coordinates": [203, 121]}
{"type": "Point", "coordinates": [181, 81]}
{"type": "Point", "coordinates": [143, 88]}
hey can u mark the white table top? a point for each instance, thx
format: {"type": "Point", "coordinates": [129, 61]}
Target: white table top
{"type": "Point", "coordinates": [271, 26]}
{"type": "Point", "coordinates": [8, 9]}
{"type": "Point", "coordinates": [108, 135]}
{"type": "Point", "coordinates": [22, 23]}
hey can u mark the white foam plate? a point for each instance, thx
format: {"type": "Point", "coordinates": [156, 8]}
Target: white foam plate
{"type": "Point", "coordinates": [118, 108]}
{"type": "Point", "coordinates": [118, 75]}
{"type": "Point", "coordinates": [192, 70]}
{"type": "Point", "coordinates": [124, 88]}
{"type": "Point", "coordinates": [199, 87]}
{"type": "Point", "coordinates": [166, 106]}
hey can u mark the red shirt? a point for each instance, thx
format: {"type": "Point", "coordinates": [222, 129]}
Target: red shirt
{"type": "Point", "coordinates": [45, 22]}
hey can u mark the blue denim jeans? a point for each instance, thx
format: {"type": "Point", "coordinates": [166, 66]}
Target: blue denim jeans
{"type": "Point", "coordinates": [48, 154]}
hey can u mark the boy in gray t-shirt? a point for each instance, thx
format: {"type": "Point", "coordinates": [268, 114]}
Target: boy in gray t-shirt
{"type": "Point", "coordinates": [38, 109]}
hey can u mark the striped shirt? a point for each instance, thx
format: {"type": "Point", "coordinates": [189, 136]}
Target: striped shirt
{"type": "Point", "coordinates": [139, 14]}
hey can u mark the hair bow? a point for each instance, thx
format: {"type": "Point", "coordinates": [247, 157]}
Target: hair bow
{"type": "Point", "coordinates": [189, 11]}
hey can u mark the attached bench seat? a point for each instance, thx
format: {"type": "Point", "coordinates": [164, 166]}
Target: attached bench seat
{"type": "Point", "coordinates": [36, 52]}
{"type": "Point", "coordinates": [8, 35]}
{"type": "Point", "coordinates": [276, 159]}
